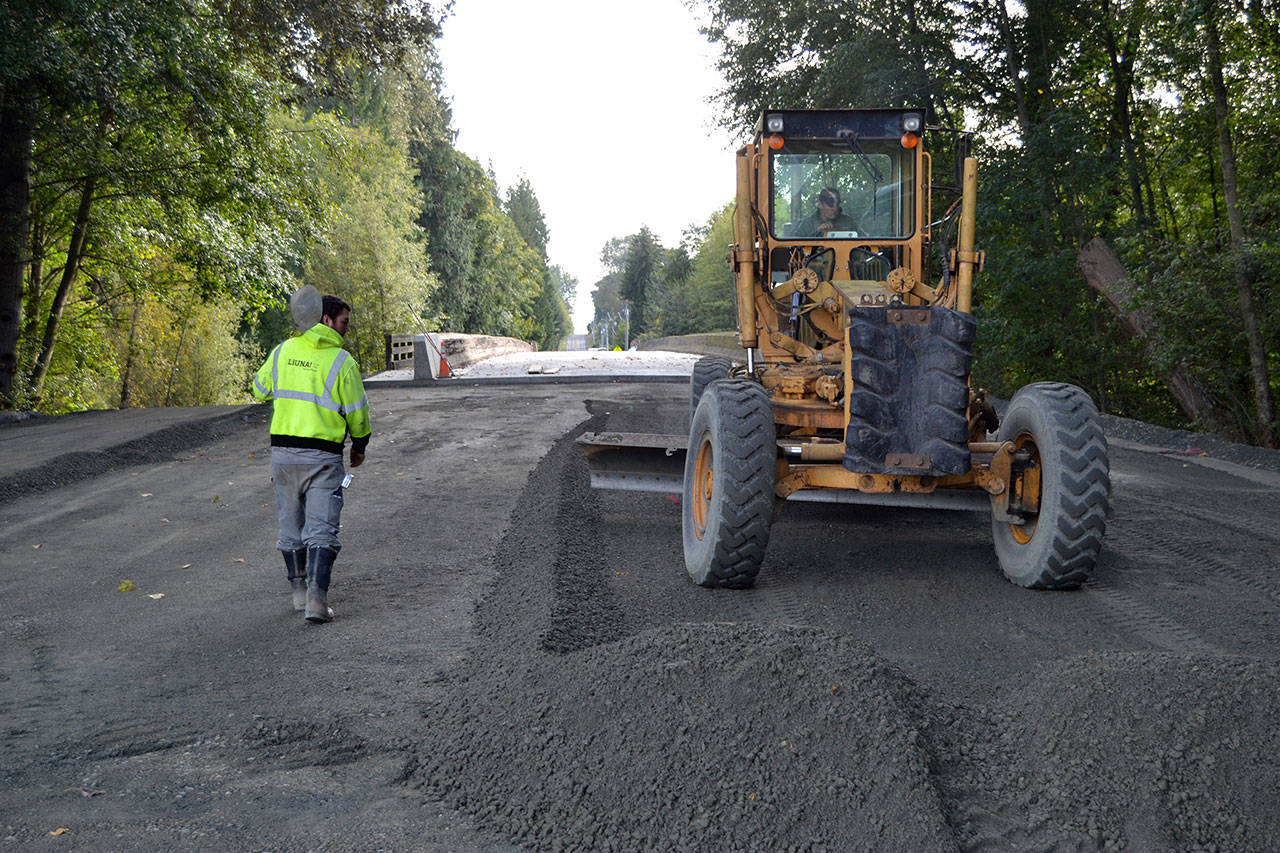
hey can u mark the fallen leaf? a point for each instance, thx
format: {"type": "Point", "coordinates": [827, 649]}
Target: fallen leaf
{"type": "Point", "coordinates": [126, 586]}
{"type": "Point", "coordinates": [216, 498]}
{"type": "Point", "coordinates": [155, 595]}
{"type": "Point", "coordinates": [62, 830]}
{"type": "Point", "coordinates": [250, 455]}
{"type": "Point", "coordinates": [84, 792]}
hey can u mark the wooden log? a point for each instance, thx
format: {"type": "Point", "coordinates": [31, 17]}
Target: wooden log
{"type": "Point", "coordinates": [1106, 274]}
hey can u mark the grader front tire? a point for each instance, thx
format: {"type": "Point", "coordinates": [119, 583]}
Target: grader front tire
{"type": "Point", "coordinates": [729, 478]}
{"type": "Point", "coordinates": [705, 371]}
{"type": "Point", "coordinates": [1057, 426]}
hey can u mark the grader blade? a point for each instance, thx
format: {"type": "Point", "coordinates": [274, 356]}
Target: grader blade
{"type": "Point", "coordinates": [635, 462]}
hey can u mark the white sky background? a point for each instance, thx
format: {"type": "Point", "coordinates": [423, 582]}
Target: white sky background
{"type": "Point", "coordinates": [604, 106]}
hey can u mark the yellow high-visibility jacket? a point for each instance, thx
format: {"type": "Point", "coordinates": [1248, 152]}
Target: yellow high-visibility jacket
{"type": "Point", "coordinates": [317, 393]}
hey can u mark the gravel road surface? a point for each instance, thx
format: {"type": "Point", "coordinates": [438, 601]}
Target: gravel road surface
{"type": "Point", "coordinates": [521, 663]}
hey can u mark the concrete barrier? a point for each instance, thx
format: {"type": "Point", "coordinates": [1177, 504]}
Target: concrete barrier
{"type": "Point", "coordinates": [463, 350]}
{"type": "Point", "coordinates": [426, 356]}
{"type": "Point", "coordinates": [458, 351]}
{"type": "Point", "coordinates": [706, 343]}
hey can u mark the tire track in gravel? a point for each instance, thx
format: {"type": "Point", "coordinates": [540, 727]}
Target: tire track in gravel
{"type": "Point", "coordinates": [1136, 618]}
{"type": "Point", "coordinates": [1188, 553]}
{"type": "Point", "coordinates": [1259, 539]}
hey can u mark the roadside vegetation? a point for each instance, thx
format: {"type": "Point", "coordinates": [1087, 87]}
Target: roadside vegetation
{"type": "Point", "coordinates": [170, 170]}
{"type": "Point", "coordinates": [1127, 174]}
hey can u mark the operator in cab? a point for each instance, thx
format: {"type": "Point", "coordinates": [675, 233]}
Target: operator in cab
{"type": "Point", "coordinates": [828, 217]}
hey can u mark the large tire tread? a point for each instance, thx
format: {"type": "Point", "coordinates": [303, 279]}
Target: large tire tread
{"type": "Point", "coordinates": [1076, 508]}
{"type": "Point", "coordinates": [744, 479]}
{"type": "Point", "coordinates": [706, 370]}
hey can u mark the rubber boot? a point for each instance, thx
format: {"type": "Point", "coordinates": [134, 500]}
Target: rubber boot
{"type": "Point", "coordinates": [319, 570]}
{"type": "Point", "coordinates": [295, 563]}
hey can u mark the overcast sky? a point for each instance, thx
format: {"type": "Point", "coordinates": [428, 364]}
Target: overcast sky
{"type": "Point", "coordinates": [603, 106]}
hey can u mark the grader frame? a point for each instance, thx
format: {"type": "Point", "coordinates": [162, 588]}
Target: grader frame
{"type": "Point", "coordinates": [855, 386]}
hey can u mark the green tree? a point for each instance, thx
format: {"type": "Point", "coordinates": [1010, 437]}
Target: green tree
{"type": "Point", "coordinates": [525, 211]}
{"type": "Point", "coordinates": [642, 266]}
{"type": "Point", "coordinates": [161, 111]}
{"type": "Point", "coordinates": [551, 318]}
{"type": "Point", "coordinates": [372, 253]}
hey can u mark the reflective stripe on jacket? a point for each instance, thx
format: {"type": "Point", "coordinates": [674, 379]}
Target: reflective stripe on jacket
{"type": "Point", "coordinates": [317, 393]}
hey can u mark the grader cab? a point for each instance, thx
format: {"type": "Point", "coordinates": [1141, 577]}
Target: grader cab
{"type": "Point", "coordinates": [854, 382]}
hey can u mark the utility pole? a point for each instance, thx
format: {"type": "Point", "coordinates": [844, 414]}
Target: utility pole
{"type": "Point", "coordinates": [626, 314]}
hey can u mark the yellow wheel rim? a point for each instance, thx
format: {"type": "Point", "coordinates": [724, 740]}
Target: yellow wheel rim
{"type": "Point", "coordinates": [1027, 489]}
{"type": "Point", "coordinates": [703, 480]}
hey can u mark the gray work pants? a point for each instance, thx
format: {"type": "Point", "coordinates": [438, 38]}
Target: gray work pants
{"type": "Point", "coordinates": [309, 503]}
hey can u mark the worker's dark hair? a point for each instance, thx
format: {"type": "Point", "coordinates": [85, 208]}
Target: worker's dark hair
{"type": "Point", "coordinates": [334, 305]}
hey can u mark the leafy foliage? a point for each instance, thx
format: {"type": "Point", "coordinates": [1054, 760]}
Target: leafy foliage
{"type": "Point", "coordinates": [688, 289]}
{"type": "Point", "coordinates": [191, 162]}
{"type": "Point", "coordinates": [372, 253]}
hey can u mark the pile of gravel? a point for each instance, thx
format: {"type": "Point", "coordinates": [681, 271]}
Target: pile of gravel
{"type": "Point", "coordinates": [566, 731]}
{"type": "Point", "coordinates": [708, 736]}
{"type": "Point", "coordinates": [1181, 441]}
{"type": "Point", "coordinates": [166, 443]}
{"type": "Point", "coordinates": [1118, 751]}
{"type": "Point", "coordinates": [568, 728]}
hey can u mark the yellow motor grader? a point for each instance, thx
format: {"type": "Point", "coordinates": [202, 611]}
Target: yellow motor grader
{"type": "Point", "coordinates": [854, 385]}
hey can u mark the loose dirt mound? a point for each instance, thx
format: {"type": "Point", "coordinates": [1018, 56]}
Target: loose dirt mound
{"type": "Point", "coordinates": [574, 727]}
{"type": "Point", "coordinates": [698, 737]}
{"type": "Point", "coordinates": [564, 732]}
{"type": "Point", "coordinates": [1121, 750]}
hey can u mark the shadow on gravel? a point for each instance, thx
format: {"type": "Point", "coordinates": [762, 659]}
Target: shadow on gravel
{"type": "Point", "coordinates": [573, 726]}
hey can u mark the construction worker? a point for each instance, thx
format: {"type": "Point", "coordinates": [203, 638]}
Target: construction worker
{"type": "Point", "coordinates": [318, 400]}
{"type": "Point", "coordinates": [828, 217]}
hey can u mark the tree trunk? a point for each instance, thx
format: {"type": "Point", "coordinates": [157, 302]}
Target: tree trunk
{"type": "Point", "coordinates": [1174, 230]}
{"type": "Point", "coordinates": [1264, 408]}
{"type": "Point", "coordinates": [35, 286]}
{"type": "Point", "coordinates": [177, 355]}
{"type": "Point", "coordinates": [1014, 68]}
{"type": "Point", "coordinates": [16, 128]}
{"type": "Point", "coordinates": [127, 374]}
{"type": "Point", "coordinates": [1121, 61]}
{"type": "Point", "coordinates": [1106, 275]}
{"type": "Point", "coordinates": [69, 271]}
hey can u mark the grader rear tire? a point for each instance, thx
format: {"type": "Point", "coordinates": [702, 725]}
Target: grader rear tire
{"type": "Point", "coordinates": [1057, 425]}
{"type": "Point", "coordinates": [705, 371]}
{"type": "Point", "coordinates": [729, 477]}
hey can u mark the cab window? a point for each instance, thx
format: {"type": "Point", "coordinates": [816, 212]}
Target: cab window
{"type": "Point", "coordinates": [872, 182]}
